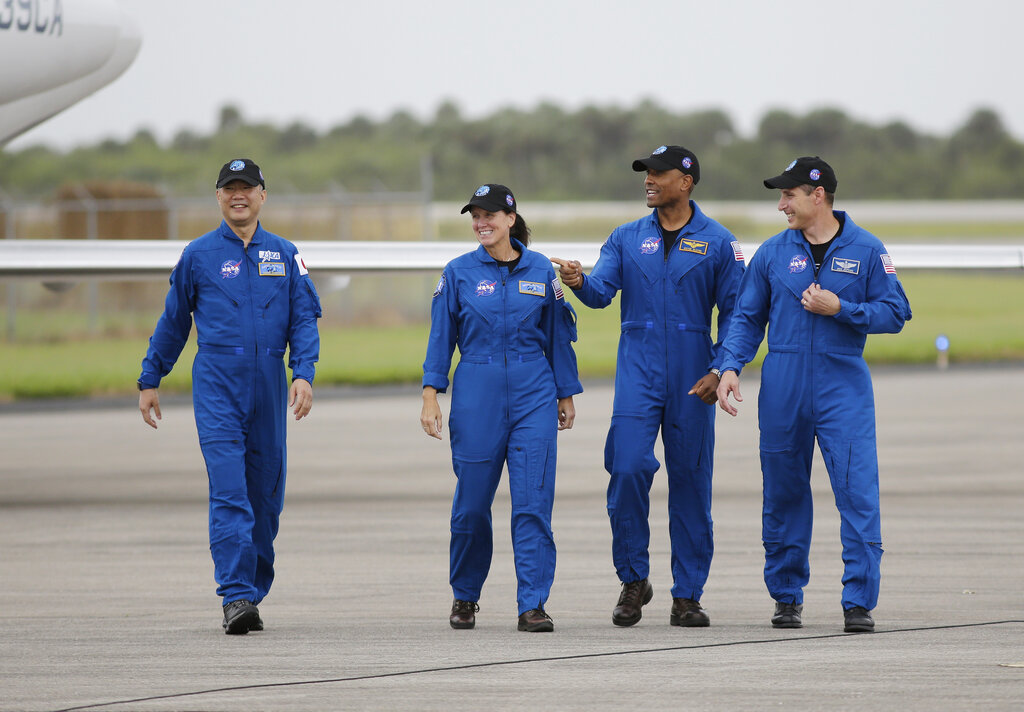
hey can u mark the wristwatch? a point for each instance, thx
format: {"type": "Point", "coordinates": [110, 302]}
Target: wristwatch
{"type": "Point", "coordinates": [715, 371]}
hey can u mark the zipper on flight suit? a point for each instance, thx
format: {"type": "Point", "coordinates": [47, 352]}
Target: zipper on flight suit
{"type": "Point", "coordinates": [505, 276]}
{"type": "Point", "coordinates": [504, 336]}
{"type": "Point", "coordinates": [810, 350]}
{"type": "Point", "coordinates": [664, 290]}
{"type": "Point", "coordinates": [252, 318]}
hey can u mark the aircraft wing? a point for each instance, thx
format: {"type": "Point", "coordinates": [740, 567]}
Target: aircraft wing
{"type": "Point", "coordinates": [118, 260]}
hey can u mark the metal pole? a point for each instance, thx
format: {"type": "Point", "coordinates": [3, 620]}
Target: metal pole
{"type": "Point", "coordinates": [427, 190]}
{"type": "Point", "coordinates": [12, 287]}
{"type": "Point", "coordinates": [91, 233]}
{"type": "Point", "coordinates": [172, 217]}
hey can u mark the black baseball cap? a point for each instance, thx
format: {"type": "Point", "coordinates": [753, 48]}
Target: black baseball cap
{"type": "Point", "coordinates": [242, 169]}
{"type": "Point", "coordinates": [665, 158]}
{"type": "Point", "coordinates": [807, 170]}
{"type": "Point", "coordinates": [492, 197]}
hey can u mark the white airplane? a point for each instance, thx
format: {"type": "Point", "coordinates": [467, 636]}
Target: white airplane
{"type": "Point", "coordinates": [57, 52]}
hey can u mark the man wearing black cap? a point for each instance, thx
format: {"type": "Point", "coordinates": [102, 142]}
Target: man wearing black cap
{"type": "Point", "coordinates": [673, 267]}
{"type": "Point", "coordinates": [824, 284]}
{"type": "Point", "coordinates": [252, 299]}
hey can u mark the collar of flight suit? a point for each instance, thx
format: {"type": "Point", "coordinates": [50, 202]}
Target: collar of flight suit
{"type": "Point", "coordinates": [227, 232]}
{"type": "Point", "coordinates": [698, 221]}
{"type": "Point", "coordinates": [482, 254]}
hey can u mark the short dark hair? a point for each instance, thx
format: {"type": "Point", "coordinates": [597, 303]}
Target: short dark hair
{"type": "Point", "coordinates": [808, 189]}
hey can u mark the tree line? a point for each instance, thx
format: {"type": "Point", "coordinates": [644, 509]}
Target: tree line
{"type": "Point", "coordinates": [547, 153]}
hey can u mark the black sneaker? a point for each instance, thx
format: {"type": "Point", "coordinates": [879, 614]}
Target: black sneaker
{"type": "Point", "coordinates": [536, 621]}
{"type": "Point", "coordinates": [787, 615]}
{"type": "Point", "coordinates": [858, 620]}
{"type": "Point", "coordinates": [258, 623]}
{"type": "Point", "coordinates": [240, 617]}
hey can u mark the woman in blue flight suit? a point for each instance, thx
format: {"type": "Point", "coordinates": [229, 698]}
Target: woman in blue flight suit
{"type": "Point", "coordinates": [503, 307]}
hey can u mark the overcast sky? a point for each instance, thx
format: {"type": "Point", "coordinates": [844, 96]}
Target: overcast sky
{"type": "Point", "coordinates": [930, 64]}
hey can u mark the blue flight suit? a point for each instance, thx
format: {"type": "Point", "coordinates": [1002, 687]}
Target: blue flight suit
{"type": "Point", "coordinates": [815, 384]}
{"type": "Point", "coordinates": [664, 349]}
{"type": "Point", "coordinates": [249, 305]}
{"type": "Point", "coordinates": [514, 332]}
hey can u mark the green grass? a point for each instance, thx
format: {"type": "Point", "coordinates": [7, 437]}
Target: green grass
{"type": "Point", "coordinates": [981, 313]}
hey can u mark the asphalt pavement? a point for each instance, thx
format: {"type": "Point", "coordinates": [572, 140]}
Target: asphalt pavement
{"type": "Point", "coordinates": [107, 595]}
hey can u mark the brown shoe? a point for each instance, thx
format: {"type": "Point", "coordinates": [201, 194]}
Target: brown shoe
{"type": "Point", "coordinates": [536, 621]}
{"type": "Point", "coordinates": [635, 595]}
{"type": "Point", "coordinates": [463, 615]}
{"type": "Point", "coordinates": [687, 613]}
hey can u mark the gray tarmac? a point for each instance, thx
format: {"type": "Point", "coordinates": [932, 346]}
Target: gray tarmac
{"type": "Point", "coordinates": [107, 596]}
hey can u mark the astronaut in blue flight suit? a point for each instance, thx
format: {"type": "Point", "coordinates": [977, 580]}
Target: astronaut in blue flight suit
{"type": "Point", "coordinates": [512, 391]}
{"type": "Point", "coordinates": [251, 297]}
{"type": "Point", "coordinates": [672, 267]}
{"type": "Point", "coordinates": [822, 285]}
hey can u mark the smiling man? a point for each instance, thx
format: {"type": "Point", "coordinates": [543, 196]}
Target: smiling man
{"type": "Point", "coordinates": [823, 285]}
{"type": "Point", "coordinates": [252, 299]}
{"type": "Point", "coordinates": [673, 267]}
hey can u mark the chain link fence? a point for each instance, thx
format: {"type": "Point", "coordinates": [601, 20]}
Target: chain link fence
{"type": "Point", "coordinates": [112, 211]}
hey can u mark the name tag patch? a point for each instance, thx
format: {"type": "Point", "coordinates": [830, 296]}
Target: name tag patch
{"type": "Point", "coordinates": [840, 264]}
{"type": "Point", "coordinates": [695, 246]}
{"type": "Point", "coordinates": [538, 289]}
{"type": "Point", "coordinates": [272, 269]}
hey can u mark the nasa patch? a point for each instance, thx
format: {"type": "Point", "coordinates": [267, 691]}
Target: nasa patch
{"type": "Point", "coordinates": [815, 174]}
{"type": "Point", "coordinates": [790, 166]}
{"type": "Point", "coordinates": [440, 286]}
{"type": "Point", "coordinates": [537, 289]}
{"type": "Point", "coordinates": [236, 165]}
{"type": "Point", "coordinates": [695, 246]}
{"type": "Point", "coordinates": [659, 150]}
{"type": "Point", "coordinates": [687, 162]}
{"type": "Point", "coordinates": [797, 264]}
{"type": "Point", "coordinates": [231, 269]}
{"type": "Point", "coordinates": [482, 190]}
{"type": "Point", "coordinates": [650, 245]}
{"type": "Point", "coordinates": [485, 287]}
{"type": "Point", "coordinates": [841, 264]}
{"type": "Point", "coordinates": [269, 255]}
{"type": "Point", "coordinates": [509, 199]}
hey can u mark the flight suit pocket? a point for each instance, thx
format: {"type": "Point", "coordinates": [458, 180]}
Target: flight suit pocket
{"type": "Point", "coordinates": [780, 490]}
{"type": "Point", "coordinates": [531, 473]}
{"type": "Point", "coordinates": [855, 465]}
{"type": "Point", "coordinates": [314, 298]}
{"type": "Point", "coordinates": [569, 317]}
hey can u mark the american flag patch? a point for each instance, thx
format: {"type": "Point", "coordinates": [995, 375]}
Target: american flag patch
{"type": "Point", "coordinates": [557, 289]}
{"type": "Point", "coordinates": [737, 251]}
{"type": "Point", "coordinates": [887, 264]}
